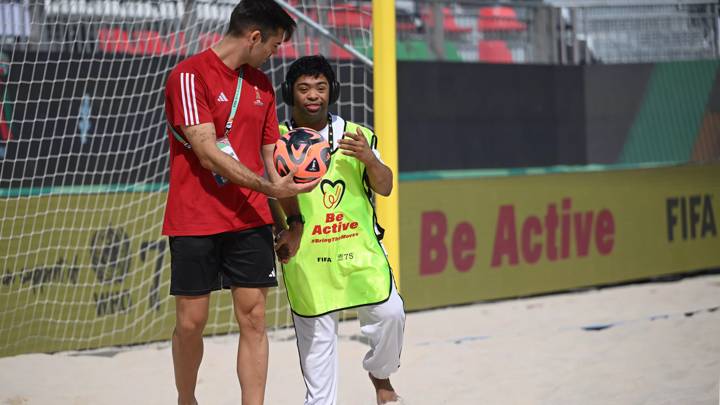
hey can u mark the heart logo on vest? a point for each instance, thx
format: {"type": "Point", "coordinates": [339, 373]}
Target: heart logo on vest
{"type": "Point", "coordinates": [332, 192]}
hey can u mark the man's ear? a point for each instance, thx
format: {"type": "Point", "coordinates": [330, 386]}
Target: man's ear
{"type": "Point", "coordinates": [255, 37]}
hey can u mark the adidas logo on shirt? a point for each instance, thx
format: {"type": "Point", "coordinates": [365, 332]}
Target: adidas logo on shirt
{"type": "Point", "coordinates": [222, 97]}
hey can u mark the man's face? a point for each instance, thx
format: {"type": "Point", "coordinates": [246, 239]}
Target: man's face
{"type": "Point", "coordinates": [263, 48]}
{"type": "Point", "coordinates": [311, 98]}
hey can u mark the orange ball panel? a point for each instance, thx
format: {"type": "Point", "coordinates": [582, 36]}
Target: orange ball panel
{"type": "Point", "coordinates": [303, 150]}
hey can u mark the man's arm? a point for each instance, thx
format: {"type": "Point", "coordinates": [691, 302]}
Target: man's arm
{"type": "Point", "coordinates": [379, 175]}
{"type": "Point", "coordinates": [288, 241]}
{"type": "Point", "coordinates": [202, 139]}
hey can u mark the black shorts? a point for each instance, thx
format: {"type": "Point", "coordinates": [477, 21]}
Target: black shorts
{"type": "Point", "coordinates": [201, 264]}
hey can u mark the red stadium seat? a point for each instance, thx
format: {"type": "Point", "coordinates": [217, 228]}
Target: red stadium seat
{"type": "Point", "coordinates": [337, 52]}
{"type": "Point", "coordinates": [494, 51]}
{"type": "Point", "coordinates": [348, 16]}
{"type": "Point", "coordinates": [311, 46]}
{"type": "Point", "coordinates": [405, 26]}
{"type": "Point", "coordinates": [499, 18]}
{"type": "Point", "coordinates": [140, 42]}
{"type": "Point", "coordinates": [287, 50]}
{"type": "Point", "coordinates": [308, 11]}
{"type": "Point", "coordinates": [208, 39]}
{"type": "Point", "coordinates": [449, 23]}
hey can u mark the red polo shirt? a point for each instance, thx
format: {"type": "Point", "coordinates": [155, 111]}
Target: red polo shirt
{"type": "Point", "coordinates": [201, 90]}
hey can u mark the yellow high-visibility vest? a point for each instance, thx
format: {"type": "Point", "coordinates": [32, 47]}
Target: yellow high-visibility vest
{"type": "Point", "coordinates": [340, 263]}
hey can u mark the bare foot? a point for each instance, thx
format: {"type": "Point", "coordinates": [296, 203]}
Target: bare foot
{"type": "Point", "coordinates": [384, 390]}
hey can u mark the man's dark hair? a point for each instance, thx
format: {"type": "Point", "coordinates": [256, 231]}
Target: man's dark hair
{"type": "Point", "coordinates": [264, 15]}
{"type": "Point", "coordinates": [313, 66]}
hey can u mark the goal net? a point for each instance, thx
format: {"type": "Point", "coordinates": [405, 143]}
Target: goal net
{"type": "Point", "coordinates": [83, 159]}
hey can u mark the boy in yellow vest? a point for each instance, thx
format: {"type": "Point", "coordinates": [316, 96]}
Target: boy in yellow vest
{"type": "Point", "coordinates": [335, 260]}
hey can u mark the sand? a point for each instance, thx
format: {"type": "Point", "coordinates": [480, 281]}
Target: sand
{"type": "Point", "coordinates": [656, 343]}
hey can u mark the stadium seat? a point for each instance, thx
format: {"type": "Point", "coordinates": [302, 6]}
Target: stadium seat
{"type": "Point", "coordinates": [306, 10]}
{"type": "Point", "coordinates": [348, 16]}
{"type": "Point", "coordinates": [449, 23]}
{"type": "Point", "coordinates": [499, 18]}
{"type": "Point", "coordinates": [407, 26]}
{"type": "Point", "coordinates": [405, 50]}
{"type": "Point", "coordinates": [451, 52]}
{"type": "Point", "coordinates": [140, 42]}
{"type": "Point", "coordinates": [338, 52]}
{"type": "Point", "coordinates": [208, 39]}
{"type": "Point", "coordinates": [414, 50]}
{"type": "Point", "coordinates": [287, 50]}
{"type": "Point", "coordinates": [312, 47]}
{"type": "Point", "coordinates": [407, 23]}
{"type": "Point", "coordinates": [494, 51]}
{"type": "Point", "coordinates": [363, 47]}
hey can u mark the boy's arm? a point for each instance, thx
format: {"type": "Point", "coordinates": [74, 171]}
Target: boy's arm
{"type": "Point", "coordinates": [379, 174]}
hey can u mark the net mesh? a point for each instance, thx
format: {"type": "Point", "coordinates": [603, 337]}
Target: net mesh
{"type": "Point", "coordinates": [84, 167]}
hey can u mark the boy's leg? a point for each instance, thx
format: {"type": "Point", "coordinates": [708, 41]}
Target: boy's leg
{"type": "Point", "coordinates": [317, 347]}
{"type": "Point", "coordinates": [384, 326]}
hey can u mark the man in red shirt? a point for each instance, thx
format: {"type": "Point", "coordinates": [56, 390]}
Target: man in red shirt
{"type": "Point", "coordinates": [223, 126]}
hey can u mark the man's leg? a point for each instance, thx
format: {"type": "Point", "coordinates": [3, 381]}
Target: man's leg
{"type": "Point", "coordinates": [252, 356]}
{"type": "Point", "coordinates": [317, 348]}
{"type": "Point", "coordinates": [191, 314]}
{"type": "Point", "coordinates": [384, 326]}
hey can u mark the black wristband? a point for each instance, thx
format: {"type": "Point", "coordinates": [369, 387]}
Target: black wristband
{"type": "Point", "coordinates": [294, 218]}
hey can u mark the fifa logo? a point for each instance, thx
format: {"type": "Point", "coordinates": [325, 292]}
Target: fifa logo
{"type": "Point", "coordinates": [258, 101]}
{"type": "Point", "coordinates": [690, 217]}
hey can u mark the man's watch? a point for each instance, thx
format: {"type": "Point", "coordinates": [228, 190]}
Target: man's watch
{"type": "Point", "coordinates": [295, 218]}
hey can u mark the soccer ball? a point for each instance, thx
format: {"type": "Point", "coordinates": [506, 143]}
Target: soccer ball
{"type": "Point", "coordinates": [303, 149]}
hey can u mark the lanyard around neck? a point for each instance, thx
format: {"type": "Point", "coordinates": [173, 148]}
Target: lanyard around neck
{"type": "Point", "coordinates": [236, 101]}
{"type": "Point", "coordinates": [231, 117]}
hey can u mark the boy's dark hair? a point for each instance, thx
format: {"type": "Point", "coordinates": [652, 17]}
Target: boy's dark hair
{"type": "Point", "coordinates": [313, 66]}
{"type": "Point", "coordinates": [264, 15]}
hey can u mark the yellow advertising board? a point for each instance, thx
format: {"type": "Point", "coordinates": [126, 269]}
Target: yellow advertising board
{"type": "Point", "coordinates": [79, 277]}
{"type": "Point", "coordinates": [86, 270]}
{"type": "Point", "coordinates": [468, 240]}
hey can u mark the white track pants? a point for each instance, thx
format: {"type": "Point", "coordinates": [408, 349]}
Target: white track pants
{"type": "Point", "coordinates": [382, 324]}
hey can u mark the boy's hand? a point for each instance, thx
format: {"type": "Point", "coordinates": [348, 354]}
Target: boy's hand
{"type": "Point", "coordinates": [356, 145]}
{"type": "Point", "coordinates": [287, 242]}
